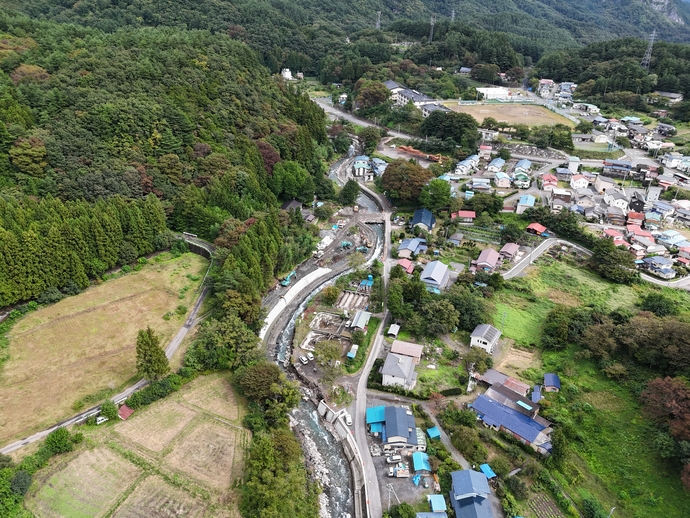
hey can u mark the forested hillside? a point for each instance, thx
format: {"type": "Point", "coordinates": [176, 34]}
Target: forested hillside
{"type": "Point", "coordinates": [299, 34]}
{"type": "Point", "coordinates": [188, 118]}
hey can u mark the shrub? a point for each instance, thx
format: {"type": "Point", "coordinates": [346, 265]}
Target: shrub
{"type": "Point", "coordinates": [126, 268]}
{"type": "Point", "coordinates": [500, 466]}
{"type": "Point", "coordinates": [50, 296]}
{"type": "Point", "coordinates": [20, 482]}
{"type": "Point", "coordinates": [109, 410]}
{"type": "Point", "coordinates": [181, 309]}
{"type": "Point", "coordinates": [453, 392]}
{"type": "Point", "coordinates": [59, 441]}
{"type": "Point", "coordinates": [517, 487]}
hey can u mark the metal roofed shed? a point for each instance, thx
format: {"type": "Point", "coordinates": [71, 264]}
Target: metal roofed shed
{"type": "Point", "coordinates": [500, 416]}
{"type": "Point", "coordinates": [393, 330]}
{"type": "Point", "coordinates": [353, 351]}
{"type": "Point", "coordinates": [433, 433]}
{"type": "Point", "coordinates": [486, 469]}
{"type": "Point", "coordinates": [437, 503]}
{"type": "Point", "coordinates": [552, 383]}
{"type": "Point", "coordinates": [361, 319]}
{"type": "Point", "coordinates": [432, 514]}
{"type": "Point", "coordinates": [376, 414]}
{"type": "Point", "coordinates": [536, 394]}
{"type": "Point", "coordinates": [124, 412]}
{"type": "Point", "coordinates": [420, 461]}
{"type": "Point", "coordinates": [407, 349]}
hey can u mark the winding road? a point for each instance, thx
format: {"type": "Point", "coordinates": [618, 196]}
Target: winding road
{"type": "Point", "coordinates": [170, 350]}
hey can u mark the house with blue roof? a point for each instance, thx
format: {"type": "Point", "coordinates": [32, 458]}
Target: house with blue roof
{"type": "Point", "coordinates": [469, 494]}
{"type": "Point", "coordinates": [432, 514]}
{"type": "Point", "coordinates": [552, 383]}
{"type": "Point", "coordinates": [423, 218]}
{"type": "Point", "coordinates": [496, 165]}
{"type": "Point", "coordinates": [523, 165]}
{"type": "Point", "coordinates": [536, 394]}
{"type": "Point", "coordinates": [501, 417]}
{"type": "Point", "coordinates": [396, 427]}
{"type": "Point", "coordinates": [412, 246]}
{"type": "Point", "coordinates": [362, 168]}
{"type": "Point", "coordinates": [502, 180]}
{"type": "Point", "coordinates": [659, 266]}
{"type": "Point", "coordinates": [525, 202]}
{"type": "Point", "coordinates": [437, 504]}
{"type": "Point", "coordinates": [378, 166]}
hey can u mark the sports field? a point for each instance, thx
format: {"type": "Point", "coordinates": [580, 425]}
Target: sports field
{"type": "Point", "coordinates": [532, 115]}
{"type": "Point", "coordinates": [86, 344]}
{"type": "Point", "coordinates": [171, 459]}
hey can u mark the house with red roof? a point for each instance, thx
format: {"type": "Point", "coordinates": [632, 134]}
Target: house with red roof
{"type": "Point", "coordinates": [684, 252]}
{"type": "Point", "coordinates": [535, 228]}
{"type": "Point", "coordinates": [464, 216]}
{"type": "Point", "coordinates": [549, 182]}
{"type": "Point", "coordinates": [485, 152]}
{"type": "Point", "coordinates": [635, 218]}
{"type": "Point", "coordinates": [406, 265]}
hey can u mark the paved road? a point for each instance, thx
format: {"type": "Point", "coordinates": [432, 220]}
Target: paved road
{"type": "Point", "coordinates": [373, 493]}
{"type": "Point", "coordinates": [516, 270]}
{"type": "Point", "coordinates": [170, 350]}
{"type": "Point", "coordinates": [325, 103]}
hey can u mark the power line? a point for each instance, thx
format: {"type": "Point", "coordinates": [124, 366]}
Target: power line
{"type": "Point", "coordinates": [378, 19]}
{"type": "Point", "coordinates": [647, 59]}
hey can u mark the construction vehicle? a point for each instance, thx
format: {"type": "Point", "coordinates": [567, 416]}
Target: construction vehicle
{"type": "Point", "coordinates": [346, 245]}
{"type": "Point", "coordinates": [362, 249]}
{"type": "Point", "coordinates": [286, 281]}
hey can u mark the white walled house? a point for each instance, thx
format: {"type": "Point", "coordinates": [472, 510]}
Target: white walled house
{"type": "Point", "coordinates": [485, 336]}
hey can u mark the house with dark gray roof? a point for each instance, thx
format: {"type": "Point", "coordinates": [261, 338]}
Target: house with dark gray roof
{"type": "Point", "coordinates": [469, 494]}
{"type": "Point", "coordinates": [423, 218]}
{"type": "Point", "coordinates": [398, 369]}
{"type": "Point", "coordinates": [485, 336]}
{"type": "Point", "coordinates": [399, 430]}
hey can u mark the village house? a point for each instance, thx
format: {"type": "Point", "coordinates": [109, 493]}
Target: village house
{"type": "Point", "coordinates": [637, 202]}
{"type": "Point", "coordinates": [485, 336]}
{"type": "Point", "coordinates": [665, 181]}
{"type": "Point", "coordinates": [552, 383]}
{"type": "Point", "coordinates": [585, 198]}
{"type": "Point", "coordinates": [401, 432]}
{"type": "Point", "coordinates": [360, 320]}
{"type": "Point", "coordinates": [485, 151]}
{"type": "Point", "coordinates": [579, 182]}
{"type": "Point", "coordinates": [573, 164]}
{"type": "Point", "coordinates": [521, 180]}
{"type": "Point", "coordinates": [496, 165]}
{"type": "Point", "coordinates": [435, 275]}
{"type": "Point", "coordinates": [523, 166]}
{"type": "Point", "coordinates": [617, 168]}
{"type": "Point", "coordinates": [535, 228]}
{"type": "Point", "coordinates": [525, 202]}
{"type": "Point", "coordinates": [659, 266]}
{"type": "Point", "coordinates": [549, 182]}
{"type": "Point", "coordinates": [562, 194]}
{"type": "Point", "coordinates": [615, 215]}
{"type": "Point", "coordinates": [488, 260]}
{"type": "Point", "coordinates": [563, 174]}
{"type": "Point", "coordinates": [423, 218]}
{"type": "Point", "coordinates": [464, 216]}
{"type": "Point", "coordinates": [406, 265]}
{"type": "Point", "coordinates": [502, 180]}
{"type": "Point", "coordinates": [509, 251]}
{"type": "Point", "coordinates": [411, 246]}
{"type": "Point", "coordinates": [481, 184]}
{"type": "Point", "coordinates": [456, 238]}
{"type": "Point", "coordinates": [469, 495]}
{"type": "Point", "coordinates": [403, 348]}
{"type": "Point", "coordinates": [635, 218]}
{"type": "Point", "coordinates": [616, 198]}
{"type": "Point", "coordinates": [399, 370]}
{"type": "Point", "coordinates": [602, 183]}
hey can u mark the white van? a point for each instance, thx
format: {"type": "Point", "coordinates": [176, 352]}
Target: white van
{"type": "Point", "coordinates": [393, 459]}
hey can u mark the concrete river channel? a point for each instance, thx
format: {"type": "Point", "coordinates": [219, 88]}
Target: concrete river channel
{"type": "Point", "coordinates": [323, 451]}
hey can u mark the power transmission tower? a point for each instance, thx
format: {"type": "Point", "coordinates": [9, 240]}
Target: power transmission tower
{"type": "Point", "coordinates": [431, 32]}
{"type": "Point", "coordinates": [646, 60]}
{"type": "Point", "coordinates": [452, 15]}
{"type": "Point", "coordinates": [378, 19]}
{"type": "Point", "coordinates": [391, 490]}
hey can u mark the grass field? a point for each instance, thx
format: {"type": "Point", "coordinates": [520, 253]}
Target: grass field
{"type": "Point", "coordinates": [168, 460]}
{"type": "Point", "coordinates": [532, 115]}
{"type": "Point", "coordinates": [86, 344]}
{"type": "Point", "coordinates": [615, 461]}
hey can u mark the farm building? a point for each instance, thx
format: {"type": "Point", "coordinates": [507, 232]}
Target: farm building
{"type": "Point", "coordinates": [485, 336]}
{"type": "Point", "coordinates": [361, 320]}
{"type": "Point", "coordinates": [552, 383]}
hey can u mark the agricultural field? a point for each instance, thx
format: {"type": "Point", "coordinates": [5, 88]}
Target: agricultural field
{"type": "Point", "coordinates": [532, 115]}
{"type": "Point", "coordinates": [83, 347]}
{"type": "Point", "coordinates": [173, 458]}
{"type": "Point", "coordinates": [615, 461]}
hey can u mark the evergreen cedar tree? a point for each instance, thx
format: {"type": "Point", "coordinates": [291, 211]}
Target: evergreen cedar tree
{"type": "Point", "coordinates": [152, 363]}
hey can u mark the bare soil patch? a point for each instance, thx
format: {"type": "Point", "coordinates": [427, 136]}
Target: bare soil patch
{"type": "Point", "coordinates": [157, 425]}
{"type": "Point", "coordinates": [87, 487]}
{"type": "Point", "coordinates": [213, 394]}
{"type": "Point", "coordinates": [561, 297]}
{"type": "Point", "coordinates": [511, 113]}
{"type": "Point", "coordinates": [517, 360]}
{"type": "Point", "coordinates": [211, 454]}
{"type": "Point", "coordinates": [154, 498]}
{"type": "Point", "coordinates": [85, 344]}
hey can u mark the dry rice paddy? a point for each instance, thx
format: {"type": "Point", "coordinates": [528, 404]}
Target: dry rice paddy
{"type": "Point", "coordinates": [85, 344]}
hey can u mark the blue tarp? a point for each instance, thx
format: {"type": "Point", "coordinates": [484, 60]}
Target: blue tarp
{"type": "Point", "coordinates": [416, 479]}
{"type": "Point", "coordinates": [420, 461]}
{"type": "Point", "coordinates": [376, 414]}
{"type": "Point", "coordinates": [486, 469]}
{"type": "Point", "coordinates": [433, 433]}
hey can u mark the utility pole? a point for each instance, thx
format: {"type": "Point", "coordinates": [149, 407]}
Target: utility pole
{"type": "Point", "coordinates": [647, 59]}
{"type": "Point", "coordinates": [431, 32]}
{"type": "Point", "coordinates": [378, 20]}
{"type": "Point", "coordinates": [452, 15]}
